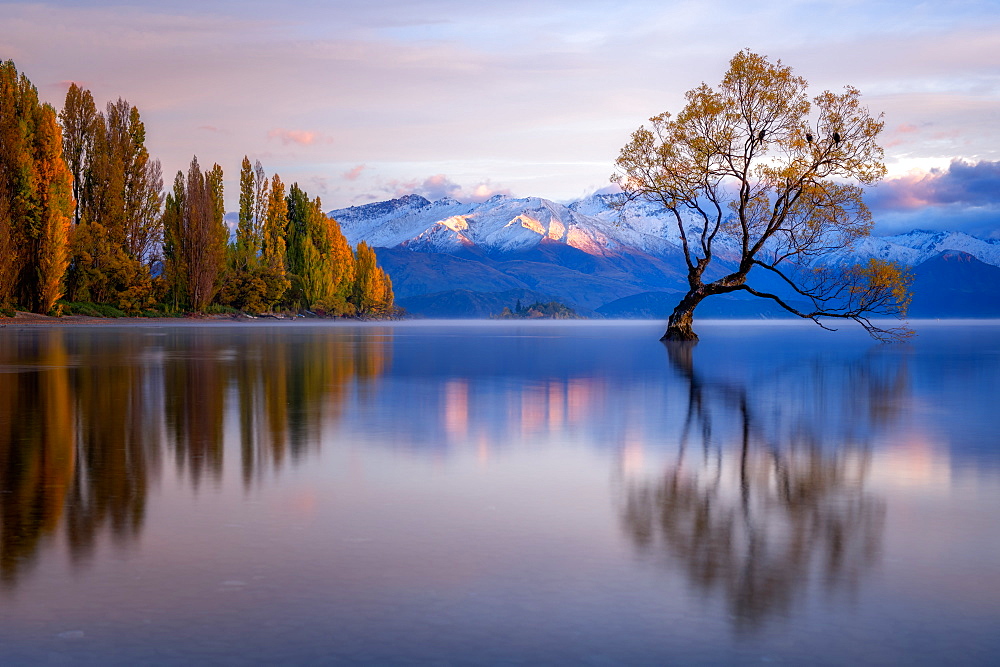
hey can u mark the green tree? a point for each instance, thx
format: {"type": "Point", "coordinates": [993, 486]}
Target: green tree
{"type": "Point", "coordinates": [755, 163]}
{"type": "Point", "coordinates": [250, 285]}
{"type": "Point", "coordinates": [273, 244]}
{"type": "Point", "coordinates": [319, 258]}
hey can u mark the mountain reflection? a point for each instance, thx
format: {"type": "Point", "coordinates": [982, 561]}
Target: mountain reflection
{"type": "Point", "coordinates": [87, 418]}
{"type": "Point", "coordinates": [766, 502]}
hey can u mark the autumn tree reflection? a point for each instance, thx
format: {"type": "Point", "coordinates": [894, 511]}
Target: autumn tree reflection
{"type": "Point", "coordinates": [284, 387]}
{"type": "Point", "coordinates": [766, 502]}
{"type": "Point", "coordinates": [37, 457]}
{"type": "Point", "coordinates": [83, 416]}
{"type": "Point", "coordinates": [118, 412]}
{"type": "Point", "coordinates": [289, 387]}
{"type": "Point", "coordinates": [195, 376]}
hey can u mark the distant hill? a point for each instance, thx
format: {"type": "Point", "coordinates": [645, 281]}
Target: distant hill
{"type": "Point", "coordinates": [658, 305]}
{"type": "Point", "coordinates": [616, 262]}
{"type": "Point", "coordinates": [466, 303]}
{"type": "Point", "coordinates": [955, 284]}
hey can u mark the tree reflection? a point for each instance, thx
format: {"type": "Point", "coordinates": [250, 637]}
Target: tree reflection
{"type": "Point", "coordinates": [118, 440]}
{"type": "Point", "coordinates": [288, 388]}
{"type": "Point", "coordinates": [37, 456]}
{"type": "Point", "coordinates": [285, 388]}
{"type": "Point", "coordinates": [83, 415]}
{"type": "Point", "coordinates": [195, 377]}
{"type": "Point", "coordinates": [772, 504]}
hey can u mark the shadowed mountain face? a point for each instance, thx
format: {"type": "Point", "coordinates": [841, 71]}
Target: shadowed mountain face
{"type": "Point", "coordinates": [617, 262]}
{"type": "Point", "coordinates": [955, 284]}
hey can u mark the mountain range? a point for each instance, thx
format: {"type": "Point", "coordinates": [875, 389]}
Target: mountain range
{"type": "Point", "coordinates": [452, 259]}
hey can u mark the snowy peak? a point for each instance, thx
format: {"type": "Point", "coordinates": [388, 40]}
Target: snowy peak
{"type": "Point", "coordinates": [918, 246]}
{"type": "Point", "coordinates": [597, 225]}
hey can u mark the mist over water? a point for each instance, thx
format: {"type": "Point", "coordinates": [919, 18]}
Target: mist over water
{"type": "Point", "coordinates": [498, 491]}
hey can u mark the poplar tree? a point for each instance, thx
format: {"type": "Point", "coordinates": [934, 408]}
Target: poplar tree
{"type": "Point", "coordinates": [195, 236]}
{"type": "Point", "coordinates": [273, 245]}
{"type": "Point", "coordinates": [36, 197]}
{"type": "Point", "coordinates": [247, 232]}
{"type": "Point", "coordinates": [119, 190]}
{"type": "Point", "coordinates": [319, 258]}
{"type": "Point", "coordinates": [372, 290]}
{"type": "Point", "coordinates": [79, 118]}
{"type": "Point", "coordinates": [249, 285]}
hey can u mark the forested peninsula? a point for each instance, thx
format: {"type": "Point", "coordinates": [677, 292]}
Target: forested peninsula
{"type": "Point", "coordinates": [86, 227]}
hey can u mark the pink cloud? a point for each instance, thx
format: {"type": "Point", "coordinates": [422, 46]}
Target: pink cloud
{"type": "Point", "coordinates": [354, 173]}
{"type": "Point", "coordinates": [300, 137]}
{"type": "Point", "coordinates": [439, 186]}
{"type": "Point", "coordinates": [900, 135]}
{"type": "Point", "coordinates": [962, 184]}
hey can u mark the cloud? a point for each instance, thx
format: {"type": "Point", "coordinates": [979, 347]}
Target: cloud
{"type": "Point", "coordinates": [965, 196]}
{"type": "Point", "coordinates": [300, 137]}
{"type": "Point", "coordinates": [538, 95]}
{"type": "Point", "coordinates": [440, 186]}
{"type": "Point", "coordinates": [353, 173]}
{"type": "Point", "coordinates": [962, 183]}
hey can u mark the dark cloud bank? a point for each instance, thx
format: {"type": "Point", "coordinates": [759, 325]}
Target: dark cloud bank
{"type": "Point", "coordinates": [964, 197]}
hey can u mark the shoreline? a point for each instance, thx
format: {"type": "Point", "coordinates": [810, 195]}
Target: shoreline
{"type": "Point", "coordinates": [26, 319]}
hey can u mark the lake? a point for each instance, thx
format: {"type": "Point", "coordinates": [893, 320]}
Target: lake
{"type": "Point", "coordinates": [498, 492]}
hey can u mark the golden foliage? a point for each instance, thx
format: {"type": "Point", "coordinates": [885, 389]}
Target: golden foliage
{"type": "Point", "coordinates": [756, 160]}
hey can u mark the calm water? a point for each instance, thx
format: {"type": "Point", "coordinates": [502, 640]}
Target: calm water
{"type": "Point", "coordinates": [495, 492]}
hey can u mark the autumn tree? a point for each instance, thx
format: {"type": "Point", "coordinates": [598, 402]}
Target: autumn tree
{"type": "Point", "coordinates": [195, 237]}
{"type": "Point", "coordinates": [119, 197]}
{"type": "Point", "coordinates": [372, 289]}
{"type": "Point", "coordinates": [79, 118]}
{"type": "Point", "coordinates": [318, 256]}
{"type": "Point", "coordinates": [755, 168]}
{"type": "Point", "coordinates": [36, 197]}
{"type": "Point", "coordinates": [273, 244]}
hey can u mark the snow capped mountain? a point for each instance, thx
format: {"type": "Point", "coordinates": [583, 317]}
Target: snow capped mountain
{"type": "Point", "coordinates": [595, 225]}
{"type": "Point", "coordinates": [587, 253]}
{"type": "Point", "coordinates": [504, 225]}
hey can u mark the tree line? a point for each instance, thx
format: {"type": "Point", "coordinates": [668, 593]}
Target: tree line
{"type": "Point", "coordinates": [84, 220]}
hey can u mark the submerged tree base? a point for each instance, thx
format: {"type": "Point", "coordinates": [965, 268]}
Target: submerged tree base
{"type": "Point", "coordinates": [679, 334]}
{"type": "Point", "coordinates": [680, 326]}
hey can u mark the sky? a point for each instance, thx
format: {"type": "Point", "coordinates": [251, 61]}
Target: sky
{"type": "Point", "coordinates": [364, 101]}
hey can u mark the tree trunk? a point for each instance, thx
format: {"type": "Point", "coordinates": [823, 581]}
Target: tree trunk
{"type": "Point", "coordinates": [679, 325]}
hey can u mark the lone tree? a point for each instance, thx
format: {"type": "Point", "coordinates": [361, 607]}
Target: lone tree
{"type": "Point", "coordinates": [759, 178]}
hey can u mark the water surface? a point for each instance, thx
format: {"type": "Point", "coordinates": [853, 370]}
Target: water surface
{"type": "Point", "coordinates": [490, 492]}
